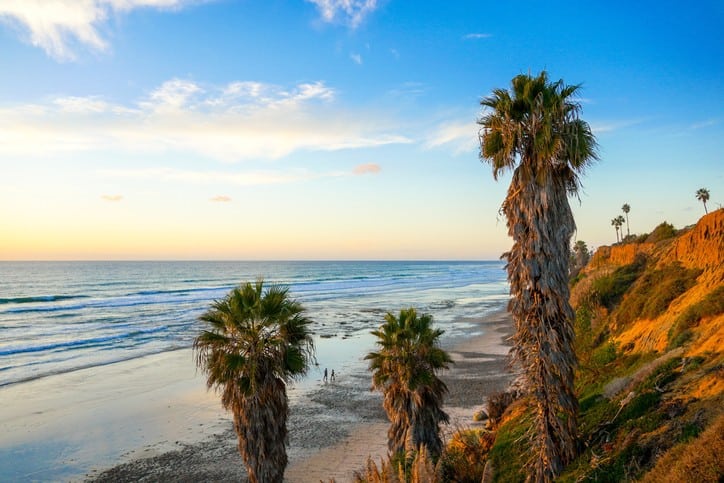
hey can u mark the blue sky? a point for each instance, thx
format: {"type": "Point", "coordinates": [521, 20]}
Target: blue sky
{"type": "Point", "coordinates": [333, 128]}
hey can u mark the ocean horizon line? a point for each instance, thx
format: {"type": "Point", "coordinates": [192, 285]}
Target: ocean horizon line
{"type": "Point", "coordinates": [260, 260]}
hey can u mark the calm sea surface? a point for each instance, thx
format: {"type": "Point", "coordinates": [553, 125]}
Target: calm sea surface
{"type": "Point", "coordinates": [62, 316]}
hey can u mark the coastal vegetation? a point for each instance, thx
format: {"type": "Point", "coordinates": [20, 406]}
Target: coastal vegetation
{"type": "Point", "coordinates": [405, 369]}
{"type": "Point", "coordinates": [649, 331]}
{"type": "Point", "coordinates": [534, 130]}
{"type": "Point", "coordinates": [257, 340]}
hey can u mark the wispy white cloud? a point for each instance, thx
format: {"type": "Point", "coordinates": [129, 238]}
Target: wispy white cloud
{"type": "Point", "coordinates": [369, 168]}
{"type": "Point", "coordinates": [704, 124]}
{"type": "Point", "coordinates": [460, 136]}
{"type": "Point", "coordinates": [477, 36]}
{"type": "Point", "coordinates": [112, 198]}
{"type": "Point", "coordinates": [241, 120]}
{"type": "Point", "coordinates": [229, 178]}
{"type": "Point", "coordinates": [356, 58]}
{"type": "Point", "coordinates": [602, 127]}
{"type": "Point", "coordinates": [220, 199]}
{"type": "Point", "coordinates": [408, 89]}
{"type": "Point", "coordinates": [59, 26]}
{"type": "Point", "coordinates": [348, 12]}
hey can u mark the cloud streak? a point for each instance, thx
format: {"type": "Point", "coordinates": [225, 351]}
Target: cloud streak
{"type": "Point", "coordinates": [233, 122]}
{"type": "Point", "coordinates": [59, 26]}
{"type": "Point", "coordinates": [460, 136]}
{"type": "Point", "coordinates": [476, 36]}
{"type": "Point", "coordinates": [369, 168]}
{"type": "Point", "coordinates": [348, 12]}
{"type": "Point", "coordinates": [112, 198]}
{"type": "Point", "coordinates": [227, 178]}
{"type": "Point", "coordinates": [220, 199]}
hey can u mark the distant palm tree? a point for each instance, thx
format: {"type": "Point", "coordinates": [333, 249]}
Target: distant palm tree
{"type": "Point", "coordinates": [257, 341]}
{"type": "Point", "coordinates": [702, 194]}
{"type": "Point", "coordinates": [534, 129]}
{"type": "Point", "coordinates": [579, 257]}
{"type": "Point", "coordinates": [614, 223]}
{"type": "Point", "coordinates": [618, 221]}
{"type": "Point", "coordinates": [404, 369]}
{"type": "Point", "coordinates": [626, 209]}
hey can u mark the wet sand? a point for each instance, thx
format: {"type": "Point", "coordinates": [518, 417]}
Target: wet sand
{"type": "Point", "coordinates": [333, 428]}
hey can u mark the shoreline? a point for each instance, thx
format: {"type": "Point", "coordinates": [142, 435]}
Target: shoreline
{"type": "Point", "coordinates": [334, 427]}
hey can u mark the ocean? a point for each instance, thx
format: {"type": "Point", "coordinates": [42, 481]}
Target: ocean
{"type": "Point", "coordinates": [59, 317]}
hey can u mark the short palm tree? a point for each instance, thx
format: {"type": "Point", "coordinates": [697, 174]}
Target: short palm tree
{"type": "Point", "coordinates": [618, 223]}
{"type": "Point", "coordinates": [702, 194]}
{"type": "Point", "coordinates": [535, 130]}
{"type": "Point", "coordinates": [256, 341]}
{"type": "Point", "coordinates": [626, 209]}
{"type": "Point", "coordinates": [404, 369]}
{"type": "Point", "coordinates": [579, 257]}
{"type": "Point", "coordinates": [614, 224]}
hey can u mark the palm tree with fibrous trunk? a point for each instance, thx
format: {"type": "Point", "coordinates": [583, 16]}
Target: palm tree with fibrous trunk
{"type": "Point", "coordinates": [257, 340]}
{"type": "Point", "coordinates": [534, 130]}
{"type": "Point", "coordinates": [404, 369]}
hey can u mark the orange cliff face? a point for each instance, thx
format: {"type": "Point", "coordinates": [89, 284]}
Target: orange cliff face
{"type": "Point", "coordinates": [700, 248]}
{"type": "Point", "coordinates": [618, 255]}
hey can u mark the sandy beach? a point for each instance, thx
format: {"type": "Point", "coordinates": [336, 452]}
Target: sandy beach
{"type": "Point", "coordinates": [335, 428]}
{"type": "Point", "coordinates": [151, 418]}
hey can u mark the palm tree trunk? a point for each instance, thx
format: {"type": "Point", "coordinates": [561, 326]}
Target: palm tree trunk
{"type": "Point", "coordinates": [262, 430]}
{"type": "Point", "coordinates": [706, 212]}
{"type": "Point", "coordinates": [541, 224]}
{"type": "Point", "coordinates": [628, 233]}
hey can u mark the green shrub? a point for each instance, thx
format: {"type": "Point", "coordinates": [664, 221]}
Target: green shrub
{"type": "Point", "coordinates": [680, 338]}
{"type": "Point", "coordinates": [664, 374]}
{"type": "Point", "coordinates": [509, 452]}
{"type": "Point", "coordinates": [651, 295]}
{"type": "Point", "coordinates": [609, 289]}
{"type": "Point", "coordinates": [640, 405]}
{"type": "Point", "coordinates": [641, 238]}
{"type": "Point", "coordinates": [604, 354]}
{"type": "Point", "coordinates": [661, 232]}
{"type": "Point", "coordinates": [712, 304]}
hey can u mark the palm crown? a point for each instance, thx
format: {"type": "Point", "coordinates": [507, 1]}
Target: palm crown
{"type": "Point", "coordinates": [538, 127]}
{"type": "Point", "coordinates": [253, 334]}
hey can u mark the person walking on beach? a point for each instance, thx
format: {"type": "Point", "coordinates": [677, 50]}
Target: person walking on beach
{"type": "Point", "coordinates": [331, 377]}
{"type": "Point", "coordinates": [325, 375]}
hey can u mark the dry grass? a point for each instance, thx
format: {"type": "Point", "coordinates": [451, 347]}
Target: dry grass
{"type": "Point", "coordinates": [419, 470]}
{"type": "Point", "coordinates": [701, 460]}
{"type": "Point", "coordinates": [465, 456]}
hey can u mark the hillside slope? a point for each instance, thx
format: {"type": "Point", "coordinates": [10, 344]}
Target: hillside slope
{"type": "Point", "coordinates": [650, 343]}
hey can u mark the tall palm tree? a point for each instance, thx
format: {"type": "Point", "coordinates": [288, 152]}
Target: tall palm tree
{"type": "Point", "coordinates": [535, 130]}
{"type": "Point", "coordinates": [626, 209]}
{"type": "Point", "coordinates": [702, 194]}
{"type": "Point", "coordinates": [257, 340]}
{"type": "Point", "coordinates": [404, 369]}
